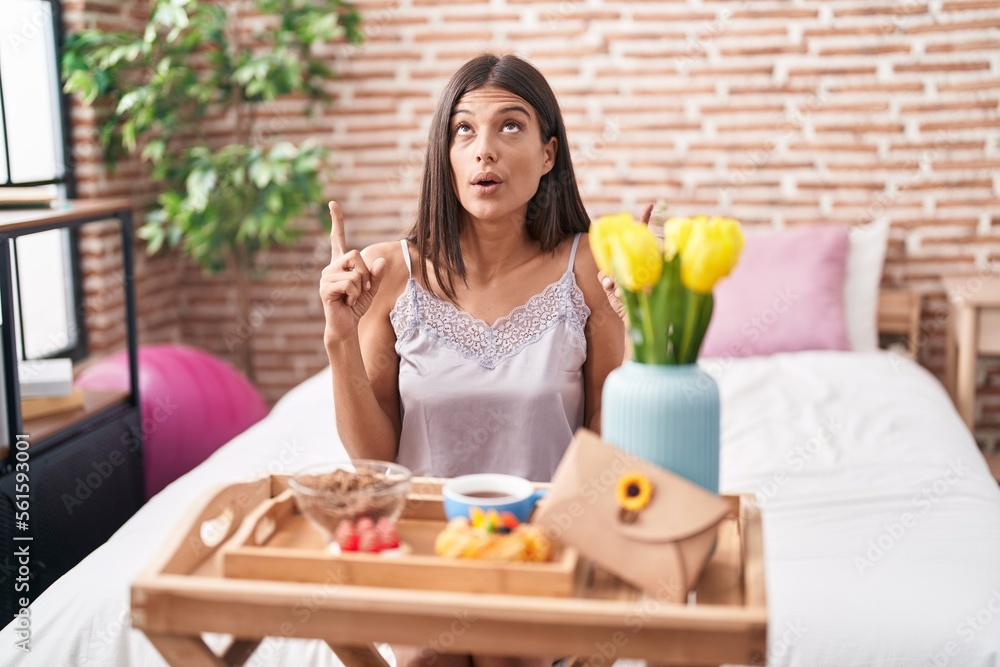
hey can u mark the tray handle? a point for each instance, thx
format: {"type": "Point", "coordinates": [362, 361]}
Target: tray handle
{"type": "Point", "coordinates": [208, 526]}
{"type": "Point", "coordinates": [261, 523]}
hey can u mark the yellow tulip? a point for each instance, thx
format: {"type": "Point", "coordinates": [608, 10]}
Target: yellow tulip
{"type": "Point", "coordinates": [636, 257]}
{"type": "Point", "coordinates": [676, 232]}
{"type": "Point", "coordinates": [709, 253]}
{"type": "Point", "coordinates": [602, 231]}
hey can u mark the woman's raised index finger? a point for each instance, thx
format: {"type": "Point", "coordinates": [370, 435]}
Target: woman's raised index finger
{"type": "Point", "coordinates": [338, 241]}
{"type": "Point", "coordinates": [647, 213]}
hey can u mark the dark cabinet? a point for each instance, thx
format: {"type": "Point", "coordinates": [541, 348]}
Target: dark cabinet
{"type": "Point", "coordinates": [70, 480]}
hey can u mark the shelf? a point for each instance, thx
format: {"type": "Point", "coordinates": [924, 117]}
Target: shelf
{"type": "Point", "coordinates": [94, 402]}
{"type": "Point", "coordinates": [24, 220]}
{"type": "Point", "coordinates": [63, 214]}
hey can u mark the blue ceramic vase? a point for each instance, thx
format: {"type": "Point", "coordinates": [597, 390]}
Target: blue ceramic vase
{"type": "Point", "coordinates": [668, 415]}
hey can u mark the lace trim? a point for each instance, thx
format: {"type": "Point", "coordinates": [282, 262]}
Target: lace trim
{"type": "Point", "coordinates": [419, 309]}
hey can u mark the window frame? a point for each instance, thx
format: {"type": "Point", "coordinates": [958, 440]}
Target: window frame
{"type": "Point", "coordinates": [67, 182]}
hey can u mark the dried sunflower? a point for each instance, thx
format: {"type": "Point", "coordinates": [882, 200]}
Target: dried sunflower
{"type": "Point", "coordinates": [633, 491]}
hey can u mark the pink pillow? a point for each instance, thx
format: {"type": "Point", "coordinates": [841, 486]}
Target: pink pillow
{"type": "Point", "coordinates": [786, 294]}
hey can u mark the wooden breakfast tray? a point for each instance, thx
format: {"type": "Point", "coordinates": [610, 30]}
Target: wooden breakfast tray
{"type": "Point", "coordinates": [184, 593]}
{"type": "Point", "coordinates": [277, 543]}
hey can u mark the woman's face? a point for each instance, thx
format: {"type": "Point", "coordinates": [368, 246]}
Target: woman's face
{"type": "Point", "coordinates": [497, 154]}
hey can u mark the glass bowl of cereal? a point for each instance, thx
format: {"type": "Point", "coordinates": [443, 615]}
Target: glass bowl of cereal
{"type": "Point", "coordinates": [353, 504]}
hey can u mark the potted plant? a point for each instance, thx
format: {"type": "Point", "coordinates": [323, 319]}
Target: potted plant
{"type": "Point", "coordinates": [221, 199]}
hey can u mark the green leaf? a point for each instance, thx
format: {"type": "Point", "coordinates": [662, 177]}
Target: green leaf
{"type": "Point", "coordinates": [260, 174]}
{"type": "Point", "coordinates": [129, 100]}
{"type": "Point", "coordinates": [650, 334]}
{"type": "Point", "coordinates": [174, 235]}
{"type": "Point", "coordinates": [274, 202]}
{"type": "Point", "coordinates": [199, 186]}
{"type": "Point", "coordinates": [704, 317]}
{"type": "Point", "coordinates": [152, 234]}
{"type": "Point", "coordinates": [693, 315]}
{"type": "Point", "coordinates": [155, 150]}
{"type": "Point", "coordinates": [128, 135]}
{"type": "Point", "coordinates": [659, 313]}
{"type": "Point", "coordinates": [83, 83]}
{"type": "Point", "coordinates": [170, 200]}
{"type": "Point", "coordinates": [283, 150]}
{"type": "Point", "coordinates": [635, 330]}
{"type": "Point", "coordinates": [675, 303]}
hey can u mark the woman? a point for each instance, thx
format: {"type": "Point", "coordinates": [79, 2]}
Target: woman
{"type": "Point", "coordinates": [419, 375]}
{"type": "Point", "coordinates": [481, 341]}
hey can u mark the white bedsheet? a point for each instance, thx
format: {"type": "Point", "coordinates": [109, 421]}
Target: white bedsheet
{"type": "Point", "coordinates": [881, 522]}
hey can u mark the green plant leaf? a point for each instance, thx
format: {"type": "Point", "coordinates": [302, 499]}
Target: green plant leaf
{"type": "Point", "coordinates": [635, 329]}
{"type": "Point", "coordinates": [704, 318]}
{"type": "Point", "coordinates": [260, 173]}
{"type": "Point", "coordinates": [283, 150]}
{"type": "Point", "coordinates": [694, 316]}
{"type": "Point", "coordinates": [274, 202]}
{"type": "Point", "coordinates": [675, 300]}
{"type": "Point", "coordinates": [154, 150]}
{"type": "Point", "coordinates": [659, 309]}
{"type": "Point", "coordinates": [199, 186]}
{"type": "Point", "coordinates": [129, 135]}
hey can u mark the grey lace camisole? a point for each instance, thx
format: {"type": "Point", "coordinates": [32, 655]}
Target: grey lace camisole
{"type": "Point", "coordinates": [502, 398]}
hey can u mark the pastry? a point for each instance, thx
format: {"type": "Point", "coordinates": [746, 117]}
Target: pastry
{"type": "Point", "coordinates": [492, 536]}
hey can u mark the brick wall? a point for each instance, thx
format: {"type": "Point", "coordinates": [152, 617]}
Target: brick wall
{"type": "Point", "coordinates": [285, 325]}
{"type": "Point", "coordinates": [777, 113]}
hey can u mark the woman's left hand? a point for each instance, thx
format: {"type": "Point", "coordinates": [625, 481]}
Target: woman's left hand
{"type": "Point", "coordinates": [608, 283]}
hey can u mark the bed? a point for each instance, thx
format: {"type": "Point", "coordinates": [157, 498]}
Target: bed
{"type": "Point", "coordinates": [881, 519]}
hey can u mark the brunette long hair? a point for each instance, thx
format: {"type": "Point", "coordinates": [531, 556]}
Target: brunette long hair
{"type": "Point", "coordinates": [554, 212]}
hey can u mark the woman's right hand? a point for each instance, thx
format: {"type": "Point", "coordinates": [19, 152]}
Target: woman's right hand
{"type": "Point", "coordinates": [348, 285]}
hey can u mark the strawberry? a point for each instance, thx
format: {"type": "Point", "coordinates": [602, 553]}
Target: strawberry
{"type": "Point", "coordinates": [348, 542]}
{"type": "Point", "coordinates": [365, 523]}
{"type": "Point", "coordinates": [345, 527]}
{"type": "Point", "coordinates": [389, 538]}
{"type": "Point", "coordinates": [368, 541]}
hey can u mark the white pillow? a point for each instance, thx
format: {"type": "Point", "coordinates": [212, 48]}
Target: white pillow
{"type": "Point", "coordinates": [861, 284]}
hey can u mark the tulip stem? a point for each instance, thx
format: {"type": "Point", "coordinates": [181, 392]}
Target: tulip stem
{"type": "Point", "coordinates": [634, 327]}
{"type": "Point", "coordinates": [694, 302]}
{"type": "Point", "coordinates": [649, 332]}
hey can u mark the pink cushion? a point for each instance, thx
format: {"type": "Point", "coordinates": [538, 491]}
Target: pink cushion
{"type": "Point", "coordinates": [786, 294]}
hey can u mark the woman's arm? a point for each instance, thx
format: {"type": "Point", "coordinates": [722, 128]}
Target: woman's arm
{"type": "Point", "coordinates": [360, 345]}
{"type": "Point", "coordinates": [605, 336]}
{"type": "Point", "coordinates": [366, 380]}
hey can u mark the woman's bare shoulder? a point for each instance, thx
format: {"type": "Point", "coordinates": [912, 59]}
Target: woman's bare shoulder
{"type": "Point", "coordinates": [583, 252]}
{"type": "Point", "coordinates": [396, 274]}
{"type": "Point", "coordinates": [391, 252]}
{"type": "Point", "coordinates": [585, 265]}
{"type": "Point", "coordinates": [585, 269]}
